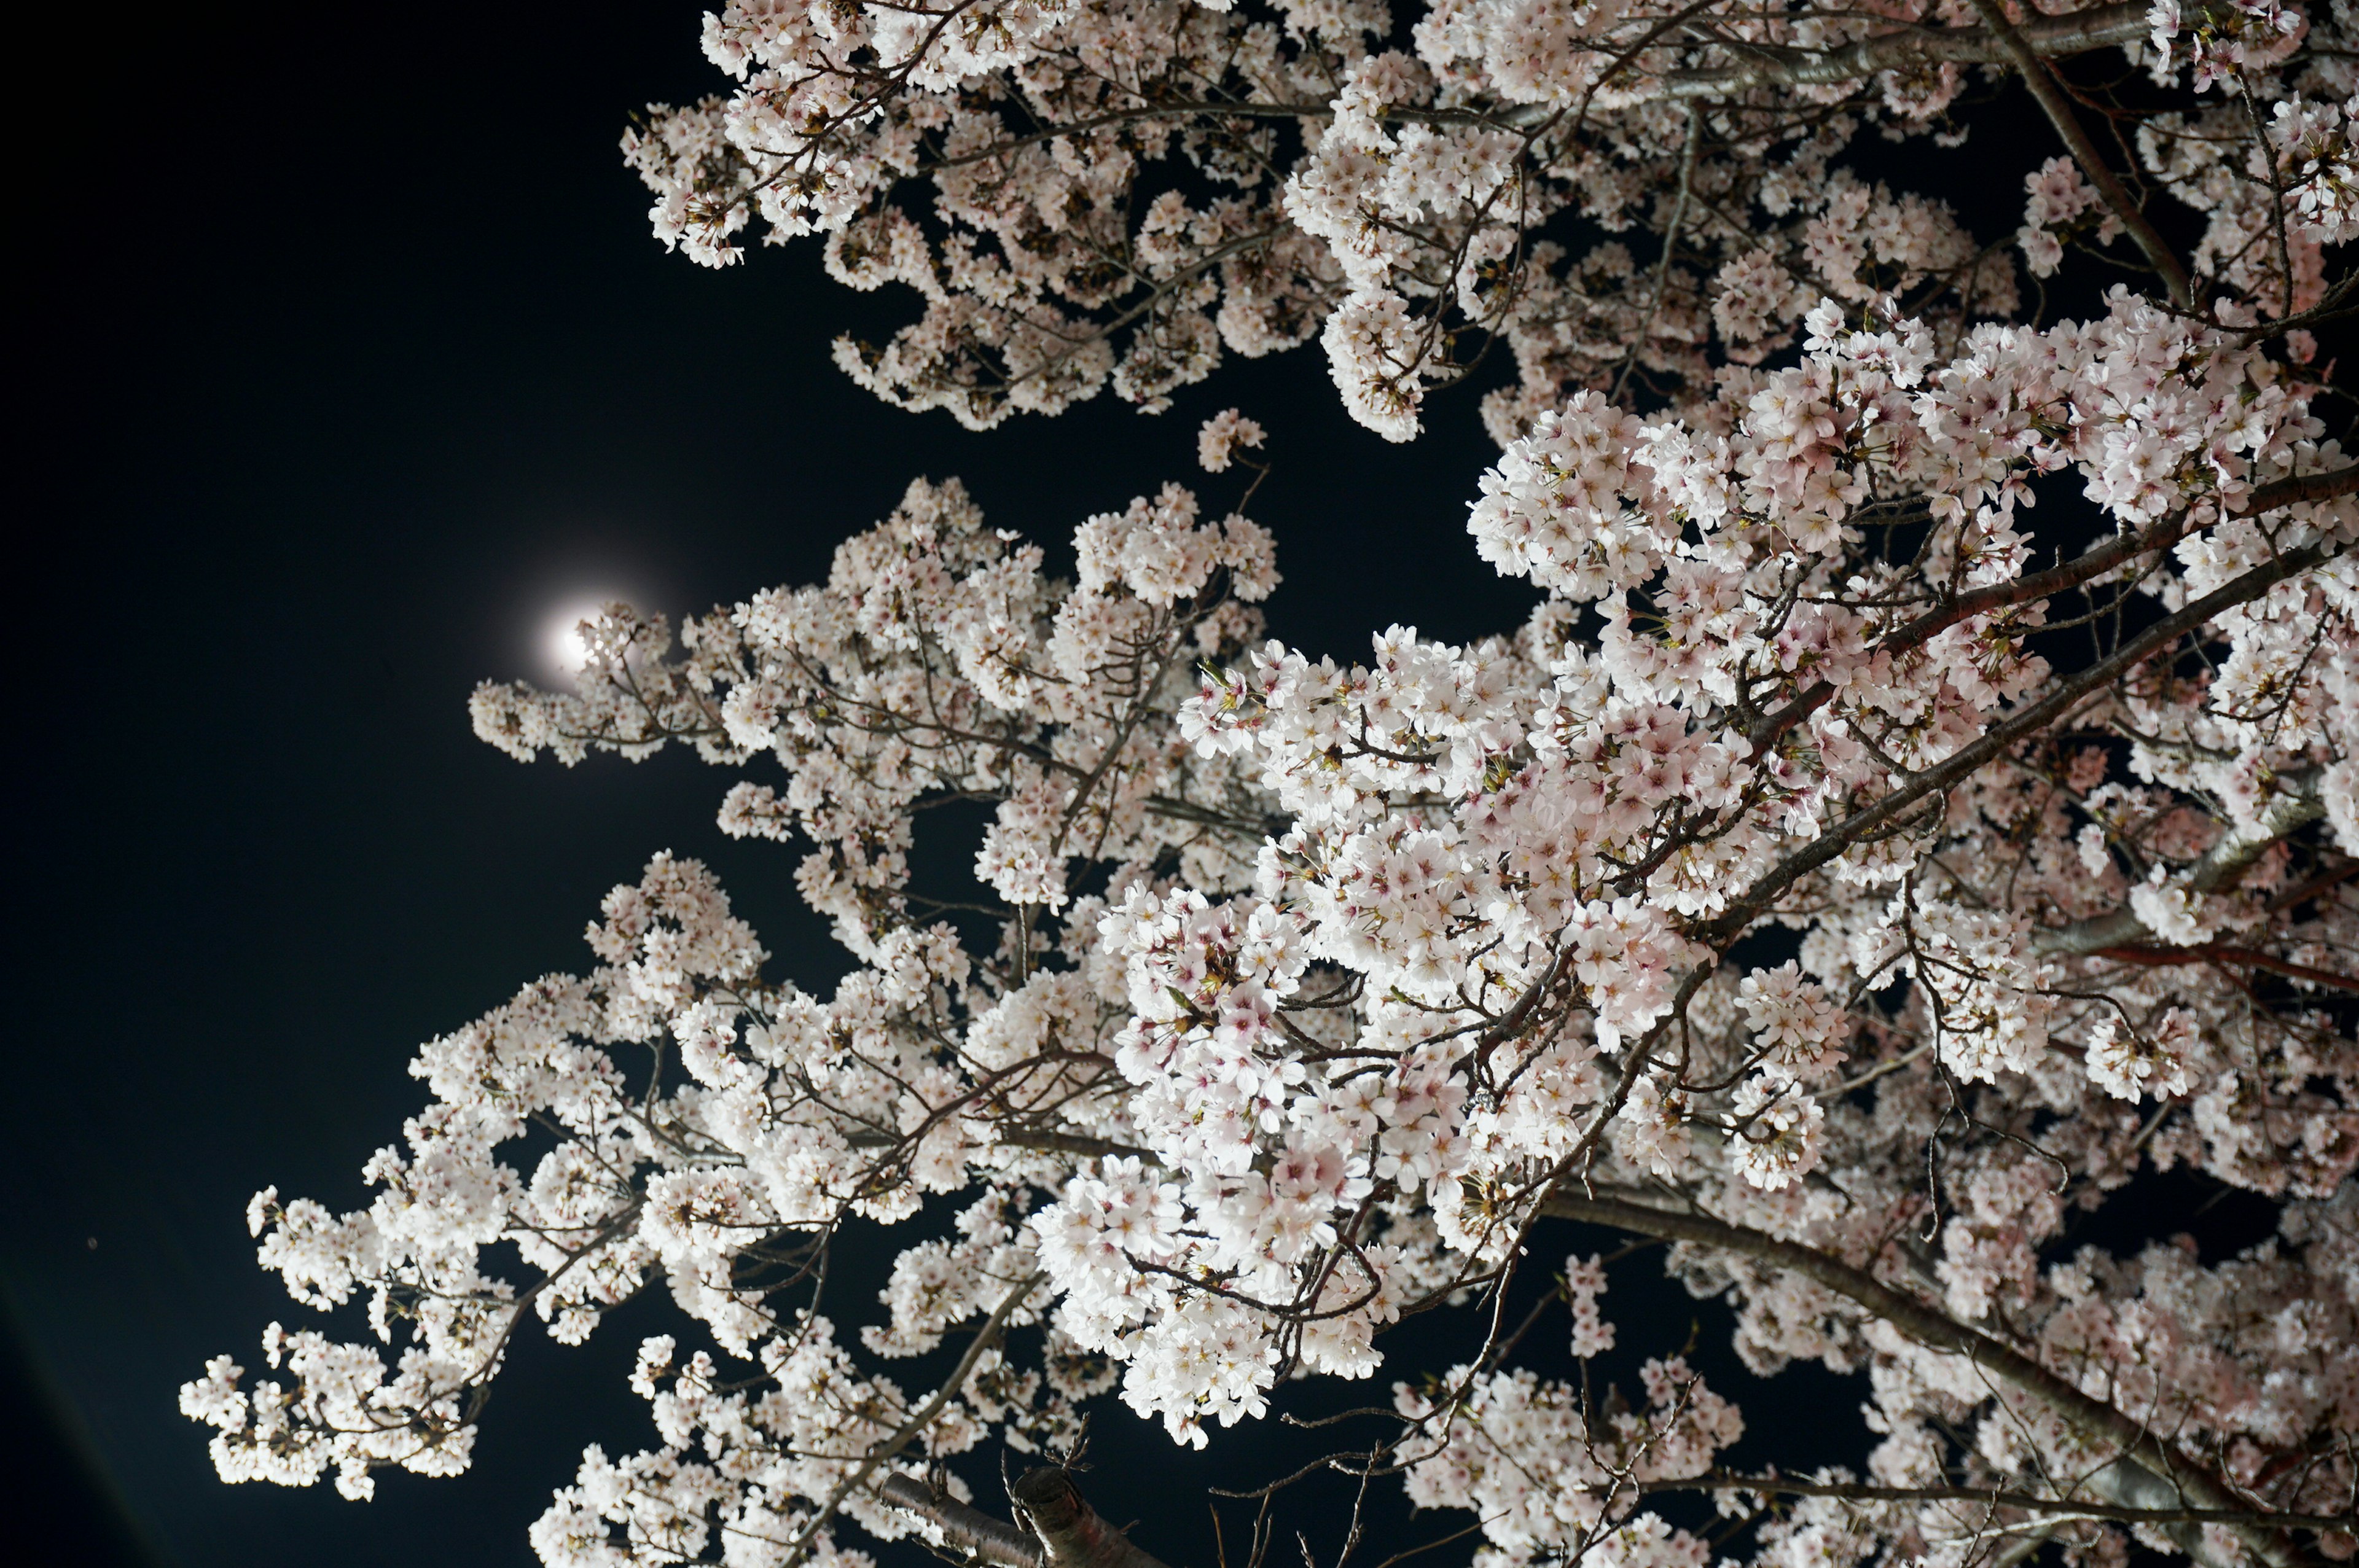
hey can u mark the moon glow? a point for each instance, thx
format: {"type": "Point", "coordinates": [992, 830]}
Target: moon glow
{"type": "Point", "coordinates": [561, 642]}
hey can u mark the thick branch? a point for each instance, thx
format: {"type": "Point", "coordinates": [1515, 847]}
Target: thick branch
{"type": "Point", "coordinates": [1070, 1530]}
{"type": "Point", "coordinates": [2045, 36]}
{"type": "Point", "coordinates": [2144, 1475]}
{"type": "Point", "coordinates": [1037, 1141]}
{"type": "Point", "coordinates": [1990, 1497]}
{"type": "Point", "coordinates": [1763, 65]}
{"type": "Point", "coordinates": [2086, 567]}
{"type": "Point", "coordinates": [2229, 957]}
{"type": "Point", "coordinates": [1273, 824]}
{"type": "Point", "coordinates": [2219, 868]}
{"type": "Point", "coordinates": [2302, 892]}
{"type": "Point", "coordinates": [2300, 489]}
{"type": "Point", "coordinates": [923, 1417]}
{"type": "Point", "coordinates": [970, 1529]}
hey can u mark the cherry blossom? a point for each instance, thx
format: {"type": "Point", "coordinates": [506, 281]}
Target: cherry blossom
{"type": "Point", "coordinates": [1853, 875]}
{"type": "Point", "coordinates": [1618, 192]}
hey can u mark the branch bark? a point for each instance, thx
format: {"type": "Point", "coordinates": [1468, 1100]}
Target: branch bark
{"type": "Point", "coordinates": [1764, 65]}
{"type": "Point", "coordinates": [981, 1537]}
{"type": "Point", "coordinates": [1991, 1496]}
{"type": "Point", "coordinates": [1070, 1533]}
{"type": "Point", "coordinates": [2145, 1474]}
{"type": "Point", "coordinates": [912, 1429]}
{"type": "Point", "coordinates": [2228, 957]}
{"type": "Point", "coordinates": [2086, 567]}
{"type": "Point", "coordinates": [2219, 867]}
{"type": "Point", "coordinates": [1064, 1531]}
{"type": "Point", "coordinates": [2045, 36]}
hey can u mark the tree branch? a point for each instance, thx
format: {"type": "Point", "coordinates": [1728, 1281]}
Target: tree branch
{"type": "Point", "coordinates": [912, 1429]}
{"type": "Point", "coordinates": [2218, 953]}
{"type": "Point", "coordinates": [1991, 1496]}
{"type": "Point", "coordinates": [2046, 36]}
{"type": "Point", "coordinates": [974, 1531]}
{"type": "Point", "coordinates": [1764, 65]}
{"type": "Point", "coordinates": [2220, 867]}
{"type": "Point", "coordinates": [1070, 1530]}
{"type": "Point", "coordinates": [2086, 567]}
{"type": "Point", "coordinates": [2051, 101]}
{"type": "Point", "coordinates": [2145, 1474]}
{"type": "Point", "coordinates": [2300, 489]}
{"type": "Point", "coordinates": [1684, 191]}
{"type": "Point", "coordinates": [1995, 741]}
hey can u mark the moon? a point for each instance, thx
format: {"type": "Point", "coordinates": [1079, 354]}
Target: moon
{"type": "Point", "coordinates": [562, 644]}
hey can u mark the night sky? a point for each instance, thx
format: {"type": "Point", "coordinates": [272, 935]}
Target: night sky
{"type": "Point", "coordinates": [349, 362]}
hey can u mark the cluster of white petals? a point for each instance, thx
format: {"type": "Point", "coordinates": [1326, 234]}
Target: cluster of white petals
{"type": "Point", "coordinates": [1123, 192]}
{"type": "Point", "coordinates": [1835, 876]}
{"type": "Point", "coordinates": [1315, 983]}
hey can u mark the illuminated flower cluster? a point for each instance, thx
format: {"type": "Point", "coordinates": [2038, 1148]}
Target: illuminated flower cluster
{"type": "Point", "coordinates": [1836, 876]}
{"type": "Point", "coordinates": [1126, 192]}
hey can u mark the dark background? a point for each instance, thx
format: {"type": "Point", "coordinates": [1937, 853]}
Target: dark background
{"type": "Point", "coordinates": [347, 361]}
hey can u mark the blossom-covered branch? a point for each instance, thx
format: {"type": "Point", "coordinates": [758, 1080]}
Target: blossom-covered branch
{"type": "Point", "coordinates": [1860, 1492]}
{"type": "Point", "coordinates": [1121, 194]}
{"type": "Point", "coordinates": [1316, 988]}
{"type": "Point", "coordinates": [2135, 1470]}
{"type": "Point", "coordinates": [1835, 877]}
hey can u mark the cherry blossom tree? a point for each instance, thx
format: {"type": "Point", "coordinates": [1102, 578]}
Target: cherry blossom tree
{"type": "Point", "coordinates": [1833, 879]}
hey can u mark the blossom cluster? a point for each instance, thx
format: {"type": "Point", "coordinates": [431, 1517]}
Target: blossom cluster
{"type": "Point", "coordinates": [1123, 193]}
{"type": "Point", "coordinates": [1315, 986]}
{"type": "Point", "coordinates": [1837, 876]}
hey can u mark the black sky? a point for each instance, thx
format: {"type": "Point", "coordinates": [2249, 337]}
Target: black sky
{"type": "Point", "coordinates": [347, 357]}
